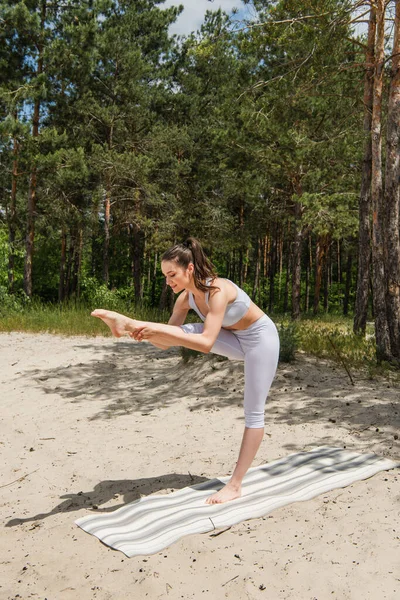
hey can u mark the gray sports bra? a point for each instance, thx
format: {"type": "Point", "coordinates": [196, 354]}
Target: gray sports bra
{"type": "Point", "coordinates": [234, 311]}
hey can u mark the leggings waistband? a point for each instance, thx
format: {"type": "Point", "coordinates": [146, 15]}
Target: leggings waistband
{"type": "Point", "coordinates": [261, 322]}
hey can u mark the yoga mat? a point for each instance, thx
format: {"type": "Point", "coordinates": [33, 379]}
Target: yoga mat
{"type": "Point", "coordinates": [152, 523]}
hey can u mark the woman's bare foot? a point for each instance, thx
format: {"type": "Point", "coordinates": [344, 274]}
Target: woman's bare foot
{"type": "Point", "coordinates": [228, 492]}
{"type": "Point", "coordinates": [119, 324]}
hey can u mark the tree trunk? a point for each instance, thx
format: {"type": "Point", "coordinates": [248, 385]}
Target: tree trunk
{"type": "Point", "coordinates": [272, 267]}
{"type": "Point", "coordinates": [240, 267]}
{"type": "Point", "coordinates": [392, 197]}
{"type": "Point", "coordinates": [61, 285]}
{"type": "Point", "coordinates": [280, 264]}
{"type": "Point", "coordinates": [320, 262]}
{"type": "Point", "coordinates": [154, 280]}
{"type": "Point", "coordinates": [233, 265]}
{"type": "Point", "coordinates": [228, 266]}
{"type": "Point", "coordinates": [70, 260]}
{"type": "Point", "coordinates": [94, 226]}
{"type": "Point", "coordinates": [265, 256]}
{"type": "Point", "coordinates": [77, 261]}
{"type": "Point", "coordinates": [12, 225]}
{"type": "Point", "coordinates": [371, 289]}
{"type": "Point", "coordinates": [148, 259]}
{"type": "Point", "coordinates": [307, 290]}
{"type": "Point", "coordinates": [327, 278]}
{"type": "Point", "coordinates": [287, 282]}
{"type": "Point", "coordinates": [364, 235]}
{"type": "Point", "coordinates": [296, 256]}
{"type": "Point", "coordinates": [257, 272]}
{"type": "Point", "coordinates": [31, 212]}
{"type": "Point", "coordinates": [30, 233]}
{"type": "Point", "coordinates": [106, 247]}
{"type": "Point", "coordinates": [379, 279]}
{"type": "Point", "coordinates": [348, 283]}
{"type": "Point", "coordinates": [167, 298]}
{"type": "Point", "coordinates": [246, 266]}
{"type": "Point", "coordinates": [137, 251]}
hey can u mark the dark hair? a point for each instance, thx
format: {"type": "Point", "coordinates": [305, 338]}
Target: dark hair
{"type": "Point", "coordinates": [191, 251]}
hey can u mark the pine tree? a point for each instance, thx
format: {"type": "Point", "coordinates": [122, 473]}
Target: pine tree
{"type": "Point", "coordinates": [392, 196]}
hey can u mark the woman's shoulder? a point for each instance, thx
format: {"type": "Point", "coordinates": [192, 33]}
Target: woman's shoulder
{"type": "Point", "coordinates": [222, 282]}
{"type": "Point", "coordinates": [182, 301]}
{"type": "Point", "coordinates": [225, 286]}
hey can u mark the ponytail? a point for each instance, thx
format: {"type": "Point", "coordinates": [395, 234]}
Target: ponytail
{"type": "Point", "coordinates": [192, 251]}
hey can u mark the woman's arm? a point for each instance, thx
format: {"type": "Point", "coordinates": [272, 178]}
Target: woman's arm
{"type": "Point", "coordinates": [161, 346]}
{"type": "Point", "coordinates": [180, 311]}
{"type": "Point", "coordinates": [178, 317]}
{"type": "Point", "coordinates": [170, 335]}
{"type": "Point", "coordinates": [174, 336]}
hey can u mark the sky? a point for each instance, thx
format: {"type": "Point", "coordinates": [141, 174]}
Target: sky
{"type": "Point", "coordinates": [194, 11]}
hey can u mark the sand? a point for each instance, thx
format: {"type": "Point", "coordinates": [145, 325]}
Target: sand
{"type": "Point", "coordinates": [94, 423]}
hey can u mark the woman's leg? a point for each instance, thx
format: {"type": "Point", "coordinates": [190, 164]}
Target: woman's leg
{"type": "Point", "coordinates": [160, 334]}
{"type": "Point", "coordinates": [226, 343]}
{"type": "Point", "coordinates": [261, 359]}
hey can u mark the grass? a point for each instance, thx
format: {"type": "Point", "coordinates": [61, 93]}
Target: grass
{"type": "Point", "coordinates": [333, 338]}
{"type": "Point", "coordinates": [69, 319]}
{"type": "Point", "coordinates": [326, 336]}
{"type": "Point", "coordinates": [336, 339]}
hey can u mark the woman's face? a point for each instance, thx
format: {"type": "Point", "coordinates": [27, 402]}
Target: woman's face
{"type": "Point", "coordinates": [177, 277]}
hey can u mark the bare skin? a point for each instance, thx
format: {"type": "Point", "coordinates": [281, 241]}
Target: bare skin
{"type": "Point", "coordinates": [167, 335]}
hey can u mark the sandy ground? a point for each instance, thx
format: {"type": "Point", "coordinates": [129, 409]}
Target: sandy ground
{"type": "Point", "coordinates": [94, 423]}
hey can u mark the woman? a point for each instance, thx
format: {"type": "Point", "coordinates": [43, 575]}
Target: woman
{"type": "Point", "coordinates": [233, 326]}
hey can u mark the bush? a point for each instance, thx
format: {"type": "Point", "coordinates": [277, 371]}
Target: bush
{"type": "Point", "coordinates": [289, 341]}
{"type": "Point", "coordinates": [187, 354]}
{"type": "Point", "coordinates": [12, 303]}
{"type": "Point", "coordinates": [338, 342]}
{"type": "Point", "coordinates": [96, 295]}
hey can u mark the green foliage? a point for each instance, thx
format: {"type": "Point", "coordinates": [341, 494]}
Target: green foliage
{"type": "Point", "coordinates": [3, 258]}
{"type": "Point", "coordinates": [4, 254]}
{"type": "Point", "coordinates": [335, 214]}
{"type": "Point", "coordinates": [188, 355]}
{"type": "Point", "coordinates": [11, 304]}
{"type": "Point", "coordinates": [96, 295]}
{"type": "Point", "coordinates": [238, 136]}
{"type": "Point", "coordinates": [70, 318]}
{"type": "Point", "coordinates": [289, 341]}
{"type": "Point", "coordinates": [335, 340]}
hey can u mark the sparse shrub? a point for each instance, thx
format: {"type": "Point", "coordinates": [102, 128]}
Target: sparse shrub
{"type": "Point", "coordinates": [187, 354]}
{"type": "Point", "coordinates": [12, 303]}
{"type": "Point", "coordinates": [338, 342]}
{"type": "Point", "coordinates": [289, 341]}
{"type": "Point", "coordinates": [96, 295]}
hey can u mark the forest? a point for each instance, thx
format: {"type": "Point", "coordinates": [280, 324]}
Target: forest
{"type": "Point", "coordinates": [272, 135]}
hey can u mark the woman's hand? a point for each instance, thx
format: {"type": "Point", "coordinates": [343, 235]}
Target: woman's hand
{"type": "Point", "coordinates": [144, 333]}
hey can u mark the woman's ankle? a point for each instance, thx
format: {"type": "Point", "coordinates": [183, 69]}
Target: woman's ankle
{"type": "Point", "coordinates": [130, 324]}
{"type": "Point", "coordinates": [235, 484]}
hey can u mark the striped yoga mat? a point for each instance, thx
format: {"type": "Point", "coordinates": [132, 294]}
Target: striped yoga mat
{"type": "Point", "coordinates": [152, 523]}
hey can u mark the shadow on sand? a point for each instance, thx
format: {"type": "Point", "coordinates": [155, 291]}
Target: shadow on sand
{"type": "Point", "coordinates": [125, 490]}
{"type": "Point", "coordinates": [131, 378]}
{"type": "Point", "coordinates": [324, 460]}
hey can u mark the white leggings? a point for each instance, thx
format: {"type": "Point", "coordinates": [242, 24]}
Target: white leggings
{"type": "Point", "coordinates": [258, 347]}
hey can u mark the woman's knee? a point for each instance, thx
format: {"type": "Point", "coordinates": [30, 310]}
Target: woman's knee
{"type": "Point", "coordinates": [254, 419]}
